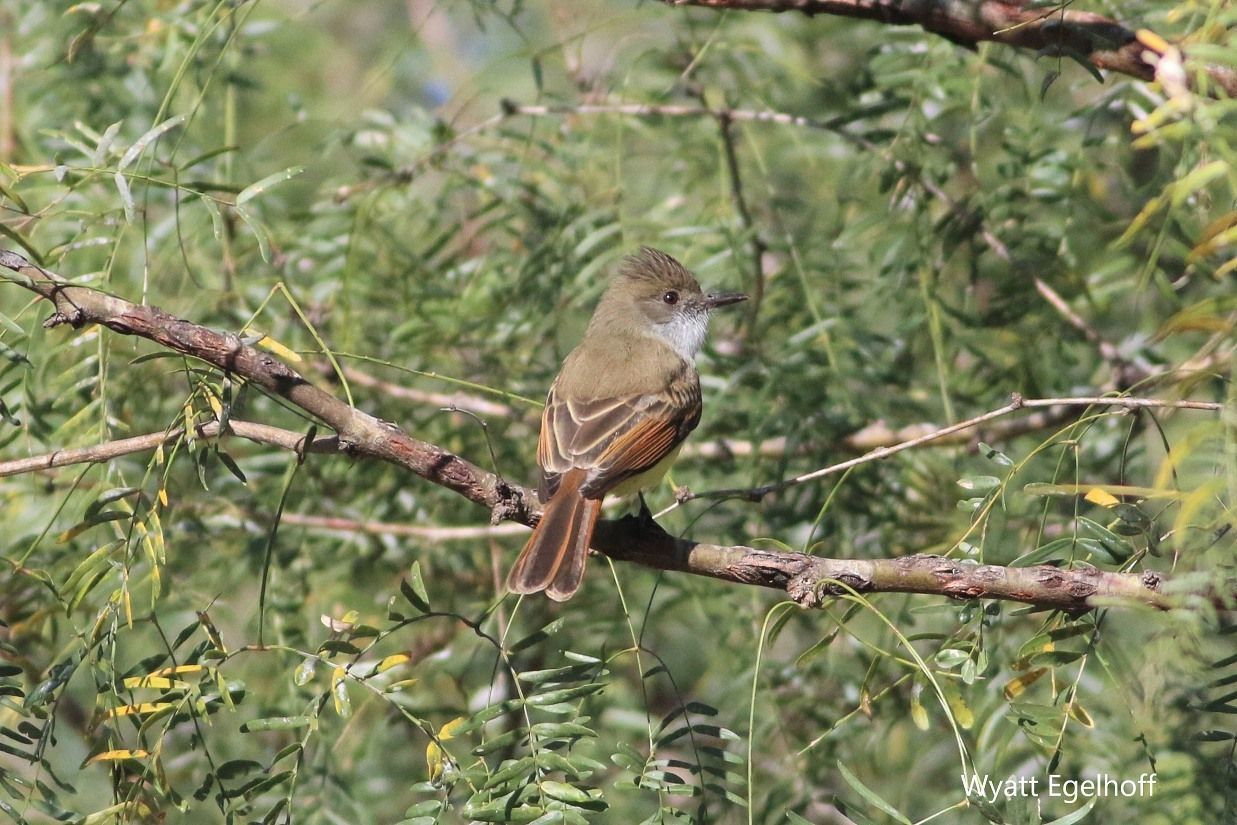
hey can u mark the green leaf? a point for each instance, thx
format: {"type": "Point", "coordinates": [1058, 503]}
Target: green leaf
{"type": "Point", "coordinates": [564, 792]}
{"type": "Point", "coordinates": [415, 591]}
{"type": "Point", "coordinates": [254, 189]}
{"type": "Point", "coordinates": [563, 695]}
{"type": "Point", "coordinates": [109, 496]}
{"type": "Point", "coordinates": [1076, 816]}
{"type": "Point", "coordinates": [871, 796]}
{"type": "Point", "coordinates": [126, 196]}
{"type": "Point", "coordinates": [561, 730]}
{"type": "Point", "coordinates": [231, 466]}
{"type": "Point", "coordinates": [237, 767]}
{"type": "Point", "coordinates": [538, 636]}
{"type": "Point", "coordinates": [979, 484]}
{"type": "Point", "coordinates": [145, 140]}
{"type": "Point", "coordinates": [278, 723]}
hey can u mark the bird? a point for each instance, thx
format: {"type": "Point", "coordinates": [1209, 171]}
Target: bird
{"type": "Point", "coordinates": [617, 413]}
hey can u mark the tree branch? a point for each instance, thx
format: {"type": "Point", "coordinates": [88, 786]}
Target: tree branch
{"type": "Point", "coordinates": [1101, 41]}
{"type": "Point", "coordinates": [262, 433]}
{"type": "Point", "coordinates": [358, 433]}
{"type": "Point", "coordinates": [433, 533]}
{"type": "Point", "coordinates": [809, 580]}
{"type": "Point", "coordinates": [459, 400]}
{"type": "Point", "coordinates": [806, 579]}
{"type": "Point", "coordinates": [1017, 403]}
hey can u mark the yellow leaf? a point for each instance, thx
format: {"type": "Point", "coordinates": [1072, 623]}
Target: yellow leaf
{"type": "Point", "coordinates": [433, 760]}
{"type": "Point", "coordinates": [449, 730]}
{"type": "Point", "coordinates": [120, 812]}
{"type": "Point", "coordinates": [163, 496]}
{"type": "Point", "coordinates": [1080, 715]}
{"type": "Point", "coordinates": [1150, 208]}
{"type": "Point", "coordinates": [1196, 180]}
{"type": "Point", "coordinates": [138, 709]}
{"type": "Point", "coordinates": [339, 693]}
{"type": "Point", "coordinates": [919, 714]}
{"type": "Point", "coordinates": [271, 345]}
{"type": "Point", "coordinates": [155, 682]}
{"type": "Point", "coordinates": [1212, 245]}
{"type": "Point", "coordinates": [100, 625]}
{"type": "Point", "coordinates": [393, 660]}
{"type": "Point", "coordinates": [1015, 687]}
{"type": "Point", "coordinates": [112, 756]}
{"type": "Point", "coordinates": [958, 705]}
{"type": "Point", "coordinates": [433, 751]}
{"type": "Point", "coordinates": [1100, 496]}
{"type": "Point", "coordinates": [1219, 225]}
{"type": "Point", "coordinates": [215, 406]}
{"type": "Point", "coordinates": [172, 671]}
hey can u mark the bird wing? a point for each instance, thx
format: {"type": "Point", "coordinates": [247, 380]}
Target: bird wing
{"type": "Point", "coordinates": [614, 438]}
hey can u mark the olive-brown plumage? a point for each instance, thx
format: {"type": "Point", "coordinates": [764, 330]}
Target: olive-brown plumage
{"type": "Point", "coordinates": [623, 401]}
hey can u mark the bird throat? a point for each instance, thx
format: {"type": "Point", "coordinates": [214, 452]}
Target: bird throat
{"type": "Point", "coordinates": [684, 333]}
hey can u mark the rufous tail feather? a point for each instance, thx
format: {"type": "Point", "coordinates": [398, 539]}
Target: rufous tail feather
{"type": "Point", "coordinates": [553, 559]}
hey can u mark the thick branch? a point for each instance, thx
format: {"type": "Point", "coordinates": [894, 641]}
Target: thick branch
{"type": "Point", "coordinates": [806, 579]}
{"type": "Point", "coordinates": [1103, 42]}
{"type": "Point", "coordinates": [809, 580]}
{"type": "Point", "coordinates": [358, 432]}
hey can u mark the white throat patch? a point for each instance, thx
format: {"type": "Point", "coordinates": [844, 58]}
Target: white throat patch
{"type": "Point", "coordinates": [685, 333]}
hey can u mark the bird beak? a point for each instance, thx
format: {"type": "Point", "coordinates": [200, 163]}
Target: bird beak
{"type": "Point", "coordinates": [721, 299]}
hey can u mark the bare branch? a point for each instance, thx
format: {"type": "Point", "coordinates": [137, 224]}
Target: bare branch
{"type": "Point", "coordinates": [806, 579]}
{"type": "Point", "coordinates": [739, 199]}
{"type": "Point", "coordinates": [262, 433]}
{"type": "Point", "coordinates": [461, 400]}
{"type": "Point", "coordinates": [436, 533]}
{"type": "Point", "coordinates": [809, 580]}
{"type": "Point", "coordinates": [1016, 403]}
{"type": "Point", "coordinates": [1103, 42]}
{"type": "Point", "coordinates": [676, 110]}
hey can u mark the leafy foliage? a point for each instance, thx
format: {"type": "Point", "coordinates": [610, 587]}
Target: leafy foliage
{"type": "Point", "coordinates": [361, 190]}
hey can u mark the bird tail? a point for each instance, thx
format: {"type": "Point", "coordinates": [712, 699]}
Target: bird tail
{"type": "Point", "coordinates": [553, 559]}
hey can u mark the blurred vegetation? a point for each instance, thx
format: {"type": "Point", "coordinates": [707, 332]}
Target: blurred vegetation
{"type": "Point", "coordinates": [348, 176]}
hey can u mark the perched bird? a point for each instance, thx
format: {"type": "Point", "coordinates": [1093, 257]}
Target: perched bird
{"type": "Point", "coordinates": [623, 401]}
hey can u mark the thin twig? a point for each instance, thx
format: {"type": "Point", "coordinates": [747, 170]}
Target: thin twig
{"type": "Point", "coordinates": [1126, 372]}
{"type": "Point", "coordinates": [833, 124]}
{"type": "Point", "coordinates": [1016, 403]}
{"type": "Point", "coordinates": [261, 433]}
{"type": "Point", "coordinates": [759, 247]}
{"type": "Point", "coordinates": [512, 109]}
{"type": "Point", "coordinates": [462, 400]}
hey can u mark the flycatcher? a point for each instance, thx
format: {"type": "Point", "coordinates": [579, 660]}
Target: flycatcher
{"type": "Point", "coordinates": [617, 413]}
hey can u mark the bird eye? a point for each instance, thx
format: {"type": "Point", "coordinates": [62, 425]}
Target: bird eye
{"type": "Point", "coordinates": [671, 297]}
